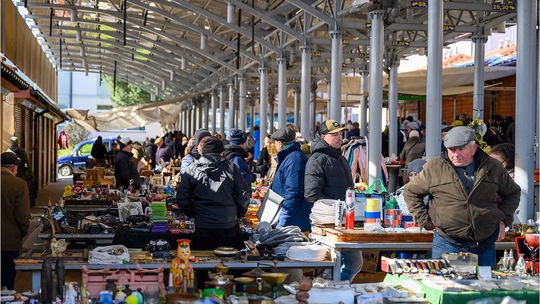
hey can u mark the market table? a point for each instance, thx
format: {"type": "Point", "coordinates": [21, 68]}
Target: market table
{"type": "Point", "coordinates": [437, 296]}
{"type": "Point", "coordinates": [338, 240]}
{"type": "Point", "coordinates": [35, 268]}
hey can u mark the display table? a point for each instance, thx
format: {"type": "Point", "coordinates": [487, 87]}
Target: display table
{"type": "Point", "coordinates": [437, 296]}
{"type": "Point", "coordinates": [35, 268]}
{"type": "Point", "coordinates": [333, 239]}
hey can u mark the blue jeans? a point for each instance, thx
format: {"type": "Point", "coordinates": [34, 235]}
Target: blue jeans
{"type": "Point", "coordinates": [351, 264]}
{"type": "Point", "coordinates": [484, 249]}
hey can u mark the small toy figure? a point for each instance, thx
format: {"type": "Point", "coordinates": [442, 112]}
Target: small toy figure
{"type": "Point", "coordinates": [181, 269]}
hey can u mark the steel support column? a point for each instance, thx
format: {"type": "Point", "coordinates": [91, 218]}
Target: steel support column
{"type": "Point", "coordinates": [230, 118]}
{"type": "Point", "coordinates": [375, 94]}
{"type": "Point", "coordinates": [200, 107]}
{"type": "Point", "coordinates": [478, 95]}
{"type": "Point", "coordinates": [251, 116]}
{"type": "Point", "coordinates": [214, 111]}
{"type": "Point", "coordinates": [193, 119]}
{"type": "Point", "coordinates": [206, 113]}
{"type": "Point", "coordinates": [363, 102]}
{"type": "Point", "coordinates": [242, 107]}
{"type": "Point", "coordinates": [263, 111]}
{"type": "Point", "coordinates": [525, 96]}
{"type": "Point", "coordinates": [335, 76]}
{"type": "Point", "coordinates": [434, 79]}
{"type": "Point", "coordinates": [222, 112]}
{"type": "Point", "coordinates": [305, 87]}
{"type": "Point", "coordinates": [296, 108]}
{"type": "Point", "coordinates": [282, 92]}
{"type": "Point", "coordinates": [393, 109]}
{"type": "Point", "coordinates": [271, 115]}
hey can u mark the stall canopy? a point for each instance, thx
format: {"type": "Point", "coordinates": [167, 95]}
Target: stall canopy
{"type": "Point", "coordinates": [456, 81]}
{"type": "Point", "coordinates": [166, 113]}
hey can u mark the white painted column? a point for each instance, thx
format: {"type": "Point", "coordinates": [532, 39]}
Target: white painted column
{"type": "Point", "coordinates": [282, 92]}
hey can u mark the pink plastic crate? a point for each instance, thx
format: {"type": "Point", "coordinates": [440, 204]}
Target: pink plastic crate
{"type": "Point", "coordinates": [96, 280]}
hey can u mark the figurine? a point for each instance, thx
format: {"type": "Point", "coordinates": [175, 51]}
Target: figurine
{"type": "Point", "coordinates": [302, 295]}
{"type": "Point", "coordinates": [181, 269]}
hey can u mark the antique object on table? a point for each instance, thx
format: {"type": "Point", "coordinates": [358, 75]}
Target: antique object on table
{"type": "Point", "coordinates": [243, 283]}
{"type": "Point", "coordinates": [159, 249]}
{"type": "Point", "coordinates": [225, 252]}
{"type": "Point", "coordinates": [275, 279]}
{"type": "Point", "coordinates": [183, 276]}
{"type": "Point", "coordinates": [302, 295]}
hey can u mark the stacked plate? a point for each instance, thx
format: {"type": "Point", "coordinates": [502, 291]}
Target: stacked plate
{"type": "Point", "coordinates": [323, 212]}
{"type": "Point", "coordinates": [309, 253]}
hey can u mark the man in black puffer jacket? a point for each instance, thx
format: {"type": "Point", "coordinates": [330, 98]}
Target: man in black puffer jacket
{"type": "Point", "coordinates": [213, 192]}
{"type": "Point", "coordinates": [328, 174]}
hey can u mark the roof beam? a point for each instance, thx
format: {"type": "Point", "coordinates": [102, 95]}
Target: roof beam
{"type": "Point", "coordinates": [312, 11]}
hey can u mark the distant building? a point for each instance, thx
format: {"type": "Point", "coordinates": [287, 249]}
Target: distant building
{"type": "Point", "coordinates": [80, 91]}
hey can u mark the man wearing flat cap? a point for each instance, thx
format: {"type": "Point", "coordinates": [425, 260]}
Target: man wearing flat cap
{"type": "Point", "coordinates": [472, 196]}
{"type": "Point", "coordinates": [289, 180]}
{"type": "Point", "coordinates": [15, 216]}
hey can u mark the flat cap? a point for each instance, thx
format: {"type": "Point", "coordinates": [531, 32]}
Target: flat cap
{"type": "Point", "coordinates": [285, 135]}
{"type": "Point", "coordinates": [9, 158]}
{"type": "Point", "coordinates": [458, 137]}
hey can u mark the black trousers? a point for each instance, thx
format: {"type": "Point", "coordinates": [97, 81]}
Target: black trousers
{"type": "Point", "coordinates": [210, 239]}
{"type": "Point", "coordinates": [8, 268]}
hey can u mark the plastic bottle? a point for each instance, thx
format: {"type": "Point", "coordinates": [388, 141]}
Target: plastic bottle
{"type": "Point", "coordinates": [349, 208]}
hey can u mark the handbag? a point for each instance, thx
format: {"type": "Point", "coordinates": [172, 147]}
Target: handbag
{"type": "Point", "coordinates": [270, 207]}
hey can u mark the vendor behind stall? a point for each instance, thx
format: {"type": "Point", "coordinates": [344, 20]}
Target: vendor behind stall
{"type": "Point", "coordinates": [213, 192]}
{"type": "Point", "coordinates": [125, 169]}
{"type": "Point", "coordinates": [473, 198]}
{"type": "Point", "coordinates": [15, 216]}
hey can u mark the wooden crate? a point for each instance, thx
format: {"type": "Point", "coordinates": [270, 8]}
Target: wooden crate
{"type": "Point", "coordinates": [361, 236]}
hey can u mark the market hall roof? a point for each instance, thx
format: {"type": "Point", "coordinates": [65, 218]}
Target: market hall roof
{"type": "Point", "coordinates": [177, 48]}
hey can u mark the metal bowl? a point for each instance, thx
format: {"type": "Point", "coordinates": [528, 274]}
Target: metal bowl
{"type": "Point", "coordinates": [275, 278]}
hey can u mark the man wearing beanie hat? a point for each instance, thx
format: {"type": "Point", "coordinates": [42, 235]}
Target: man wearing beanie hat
{"type": "Point", "coordinates": [213, 192]}
{"type": "Point", "coordinates": [15, 216]}
{"type": "Point", "coordinates": [196, 145]}
{"type": "Point", "coordinates": [236, 153]}
{"type": "Point", "coordinates": [289, 180]}
{"type": "Point", "coordinates": [472, 196]}
{"type": "Point", "coordinates": [125, 170]}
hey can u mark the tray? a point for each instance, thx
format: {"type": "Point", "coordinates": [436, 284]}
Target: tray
{"type": "Point", "coordinates": [361, 236]}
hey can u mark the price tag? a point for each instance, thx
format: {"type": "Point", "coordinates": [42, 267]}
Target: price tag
{"type": "Point", "coordinates": [345, 41]}
{"type": "Point", "coordinates": [448, 27]}
{"type": "Point", "coordinates": [316, 53]}
{"type": "Point", "coordinates": [368, 25]}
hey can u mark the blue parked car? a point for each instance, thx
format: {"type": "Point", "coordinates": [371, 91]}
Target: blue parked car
{"type": "Point", "coordinates": [79, 156]}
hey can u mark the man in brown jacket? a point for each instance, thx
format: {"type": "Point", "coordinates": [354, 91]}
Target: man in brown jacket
{"type": "Point", "coordinates": [472, 198]}
{"type": "Point", "coordinates": [15, 216]}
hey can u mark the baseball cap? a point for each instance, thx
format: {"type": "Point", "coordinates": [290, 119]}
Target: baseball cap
{"type": "Point", "coordinates": [330, 127]}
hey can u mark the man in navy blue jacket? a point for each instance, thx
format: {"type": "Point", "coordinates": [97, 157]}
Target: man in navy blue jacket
{"type": "Point", "coordinates": [289, 180]}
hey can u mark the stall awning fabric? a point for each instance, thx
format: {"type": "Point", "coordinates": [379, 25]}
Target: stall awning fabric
{"type": "Point", "coordinates": [456, 81]}
{"type": "Point", "coordinates": [166, 113]}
